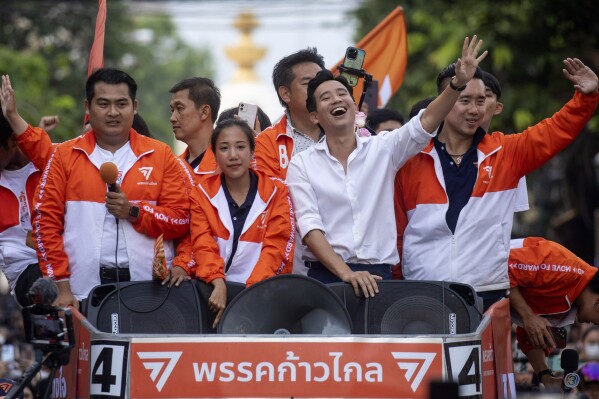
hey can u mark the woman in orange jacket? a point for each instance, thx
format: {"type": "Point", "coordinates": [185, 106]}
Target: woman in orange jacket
{"type": "Point", "coordinates": [242, 223]}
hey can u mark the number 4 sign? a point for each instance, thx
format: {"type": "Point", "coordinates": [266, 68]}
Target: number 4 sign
{"type": "Point", "coordinates": [464, 367]}
{"type": "Point", "coordinates": [108, 368]}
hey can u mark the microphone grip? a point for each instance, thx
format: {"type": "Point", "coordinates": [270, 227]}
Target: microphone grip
{"type": "Point", "coordinates": [112, 187]}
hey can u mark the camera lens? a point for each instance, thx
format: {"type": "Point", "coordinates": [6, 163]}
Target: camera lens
{"type": "Point", "coordinates": [352, 53]}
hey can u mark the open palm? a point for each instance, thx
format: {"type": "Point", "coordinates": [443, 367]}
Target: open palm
{"type": "Point", "coordinates": [583, 78]}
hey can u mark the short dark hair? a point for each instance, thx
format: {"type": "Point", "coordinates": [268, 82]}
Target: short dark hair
{"type": "Point", "coordinates": [282, 74]}
{"type": "Point", "coordinates": [378, 116]}
{"type": "Point", "coordinates": [247, 130]}
{"type": "Point", "coordinates": [228, 114]}
{"type": "Point", "coordinates": [201, 91]}
{"type": "Point", "coordinates": [323, 76]}
{"type": "Point", "coordinates": [492, 83]}
{"type": "Point", "coordinates": [112, 77]}
{"type": "Point", "coordinates": [422, 104]}
{"type": "Point", "coordinates": [449, 72]}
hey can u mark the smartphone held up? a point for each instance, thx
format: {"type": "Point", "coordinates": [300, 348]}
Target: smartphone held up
{"type": "Point", "coordinates": [352, 65]}
{"type": "Point", "coordinates": [248, 112]}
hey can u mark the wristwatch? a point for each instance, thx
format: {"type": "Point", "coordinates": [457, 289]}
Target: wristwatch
{"type": "Point", "coordinates": [454, 87]}
{"type": "Point", "coordinates": [543, 373]}
{"type": "Point", "coordinates": [133, 213]}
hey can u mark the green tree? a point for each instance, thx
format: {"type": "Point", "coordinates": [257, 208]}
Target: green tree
{"type": "Point", "coordinates": [527, 41]}
{"type": "Point", "coordinates": [45, 48]}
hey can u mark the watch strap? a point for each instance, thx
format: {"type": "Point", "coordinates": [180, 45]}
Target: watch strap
{"type": "Point", "coordinates": [133, 213]}
{"type": "Point", "coordinates": [543, 373]}
{"type": "Point", "coordinates": [454, 87]}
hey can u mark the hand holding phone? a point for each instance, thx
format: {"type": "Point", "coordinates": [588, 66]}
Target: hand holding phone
{"type": "Point", "coordinates": [247, 112]}
{"type": "Point", "coordinates": [560, 335]}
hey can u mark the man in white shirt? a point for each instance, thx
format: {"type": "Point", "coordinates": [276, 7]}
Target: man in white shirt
{"type": "Point", "coordinates": [342, 188]}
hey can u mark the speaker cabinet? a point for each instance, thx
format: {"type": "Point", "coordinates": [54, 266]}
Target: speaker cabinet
{"type": "Point", "coordinates": [286, 304]}
{"type": "Point", "coordinates": [145, 307]}
{"type": "Point", "coordinates": [413, 307]}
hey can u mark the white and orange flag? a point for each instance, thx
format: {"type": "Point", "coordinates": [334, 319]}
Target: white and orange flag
{"type": "Point", "coordinates": [96, 55]}
{"type": "Point", "coordinates": [386, 59]}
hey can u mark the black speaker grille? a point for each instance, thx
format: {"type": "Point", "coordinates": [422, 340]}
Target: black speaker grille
{"type": "Point", "coordinates": [150, 308]}
{"type": "Point", "coordinates": [420, 308]}
{"type": "Point", "coordinates": [286, 304]}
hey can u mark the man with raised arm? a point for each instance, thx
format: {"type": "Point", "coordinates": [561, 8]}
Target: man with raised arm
{"type": "Point", "coordinates": [342, 187]}
{"type": "Point", "coordinates": [456, 199]}
{"type": "Point", "coordinates": [20, 172]}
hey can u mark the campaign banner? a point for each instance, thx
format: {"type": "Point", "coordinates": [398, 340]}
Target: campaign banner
{"type": "Point", "coordinates": [283, 367]}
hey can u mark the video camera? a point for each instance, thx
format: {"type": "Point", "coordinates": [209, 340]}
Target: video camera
{"type": "Point", "coordinates": [46, 329]}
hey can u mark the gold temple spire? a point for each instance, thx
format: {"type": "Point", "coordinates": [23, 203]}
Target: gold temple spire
{"type": "Point", "coordinates": [245, 53]}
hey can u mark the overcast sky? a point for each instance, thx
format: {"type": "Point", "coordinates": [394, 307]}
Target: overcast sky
{"type": "Point", "coordinates": [285, 27]}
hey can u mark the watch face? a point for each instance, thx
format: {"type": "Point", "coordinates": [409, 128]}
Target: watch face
{"type": "Point", "coordinates": [134, 211]}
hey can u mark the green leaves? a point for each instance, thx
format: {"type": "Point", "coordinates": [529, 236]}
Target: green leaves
{"type": "Point", "coordinates": [44, 46]}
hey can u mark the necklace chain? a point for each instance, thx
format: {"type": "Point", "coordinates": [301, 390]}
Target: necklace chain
{"type": "Point", "coordinates": [457, 158]}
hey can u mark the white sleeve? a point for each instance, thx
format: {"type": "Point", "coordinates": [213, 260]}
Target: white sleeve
{"type": "Point", "coordinates": [406, 141]}
{"type": "Point", "coordinates": [521, 203]}
{"type": "Point", "coordinates": [304, 199]}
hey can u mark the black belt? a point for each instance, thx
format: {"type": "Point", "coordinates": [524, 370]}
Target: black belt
{"type": "Point", "coordinates": [314, 264]}
{"type": "Point", "coordinates": [111, 273]}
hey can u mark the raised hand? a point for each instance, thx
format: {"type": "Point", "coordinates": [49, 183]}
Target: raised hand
{"type": "Point", "coordinates": [468, 62]}
{"type": "Point", "coordinates": [49, 123]}
{"type": "Point", "coordinates": [7, 97]}
{"type": "Point", "coordinates": [583, 78]}
{"type": "Point", "coordinates": [9, 107]}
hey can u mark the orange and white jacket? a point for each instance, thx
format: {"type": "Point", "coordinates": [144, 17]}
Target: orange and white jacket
{"type": "Point", "coordinates": [548, 275]}
{"type": "Point", "coordinates": [274, 148]}
{"type": "Point", "coordinates": [15, 256]}
{"type": "Point", "coordinates": [184, 256]}
{"type": "Point", "coordinates": [477, 252]}
{"type": "Point", "coordinates": [69, 210]}
{"type": "Point", "coordinates": [267, 241]}
{"type": "Point", "coordinates": [208, 165]}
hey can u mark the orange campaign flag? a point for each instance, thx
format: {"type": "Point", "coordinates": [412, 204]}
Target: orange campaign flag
{"type": "Point", "coordinates": [96, 55]}
{"type": "Point", "coordinates": [386, 59]}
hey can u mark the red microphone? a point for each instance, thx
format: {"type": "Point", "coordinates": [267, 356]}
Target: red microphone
{"type": "Point", "coordinates": [109, 174]}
